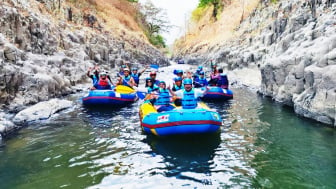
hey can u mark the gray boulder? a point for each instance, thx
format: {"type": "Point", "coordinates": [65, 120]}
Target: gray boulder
{"type": "Point", "coordinates": [41, 111]}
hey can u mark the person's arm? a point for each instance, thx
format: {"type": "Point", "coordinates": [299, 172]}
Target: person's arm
{"type": "Point", "coordinates": [96, 67]}
{"type": "Point", "coordinates": [171, 91]}
{"type": "Point", "coordinates": [189, 74]}
{"type": "Point", "coordinates": [131, 82]}
{"type": "Point", "coordinates": [119, 81]}
{"type": "Point", "coordinates": [143, 70]}
{"type": "Point", "coordinates": [88, 72]}
{"type": "Point", "coordinates": [179, 94]}
{"type": "Point", "coordinates": [109, 78]}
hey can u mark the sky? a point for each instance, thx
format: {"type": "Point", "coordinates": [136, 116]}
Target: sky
{"type": "Point", "coordinates": [178, 12]}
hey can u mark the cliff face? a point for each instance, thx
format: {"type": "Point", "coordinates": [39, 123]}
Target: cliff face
{"type": "Point", "coordinates": [293, 44]}
{"type": "Point", "coordinates": [46, 47]}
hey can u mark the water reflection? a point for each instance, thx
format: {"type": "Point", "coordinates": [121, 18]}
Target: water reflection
{"type": "Point", "coordinates": [105, 117]}
{"type": "Point", "coordinates": [185, 154]}
{"type": "Point", "coordinates": [294, 147]}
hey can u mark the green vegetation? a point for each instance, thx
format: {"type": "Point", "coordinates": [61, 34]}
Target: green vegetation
{"type": "Point", "coordinates": [217, 7]}
{"type": "Point", "coordinates": [204, 3]}
{"type": "Point", "coordinates": [153, 21]}
{"type": "Point", "coordinates": [157, 40]}
{"type": "Point", "coordinates": [198, 13]}
{"type": "Point", "coordinates": [274, 1]}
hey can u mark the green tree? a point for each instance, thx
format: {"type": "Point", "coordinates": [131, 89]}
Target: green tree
{"type": "Point", "coordinates": [216, 6]}
{"type": "Point", "coordinates": [155, 21]}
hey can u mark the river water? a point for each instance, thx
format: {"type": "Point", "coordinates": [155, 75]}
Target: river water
{"type": "Point", "coordinates": [262, 144]}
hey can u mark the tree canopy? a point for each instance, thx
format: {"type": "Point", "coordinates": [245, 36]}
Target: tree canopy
{"type": "Point", "coordinates": [155, 21]}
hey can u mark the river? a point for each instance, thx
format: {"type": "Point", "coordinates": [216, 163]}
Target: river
{"type": "Point", "coordinates": [262, 144]}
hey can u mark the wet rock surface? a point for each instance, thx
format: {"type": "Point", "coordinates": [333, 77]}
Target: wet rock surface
{"type": "Point", "coordinates": [41, 111]}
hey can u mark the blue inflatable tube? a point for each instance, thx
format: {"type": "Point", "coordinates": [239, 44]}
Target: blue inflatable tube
{"type": "Point", "coordinates": [180, 121]}
{"type": "Point", "coordinates": [218, 93]}
{"type": "Point", "coordinates": [108, 98]}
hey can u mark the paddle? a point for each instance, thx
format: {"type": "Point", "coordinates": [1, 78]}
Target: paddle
{"type": "Point", "coordinates": [124, 89]}
{"type": "Point", "coordinates": [127, 90]}
{"type": "Point", "coordinates": [154, 66]}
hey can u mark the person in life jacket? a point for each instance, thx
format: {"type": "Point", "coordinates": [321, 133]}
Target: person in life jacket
{"type": "Point", "coordinates": [178, 73]}
{"type": "Point", "coordinates": [152, 75]}
{"type": "Point", "coordinates": [161, 98]}
{"type": "Point", "coordinates": [122, 67]}
{"type": "Point", "coordinates": [177, 86]}
{"type": "Point", "coordinates": [189, 95]}
{"type": "Point", "coordinates": [151, 87]}
{"type": "Point", "coordinates": [136, 75]}
{"type": "Point", "coordinates": [223, 82]}
{"type": "Point", "coordinates": [93, 73]}
{"type": "Point", "coordinates": [126, 79]}
{"type": "Point", "coordinates": [200, 81]}
{"type": "Point", "coordinates": [102, 83]}
{"type": "Point", "coordinates": [214, 76]}
{"type": "Point", "coordinates": [197, 73]}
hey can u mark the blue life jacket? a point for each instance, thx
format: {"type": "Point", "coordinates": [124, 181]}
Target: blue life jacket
{"type": "Point", "coordinates": [136, 77]}
{"type": "Point", "coordinates": [156, 82]}
{"type": "Point", "coordinates": [200, 82]}
{"type": "Point", "coordinates": [153, 88]}
{"type": "Point", "coordinates": [164, 97]}
{"type": "Point", "coordinates": [189, 101]}
{"type": "Point", "coordinates": [223, 81]}
{"type": "Point", "coordinates": [176, 88]}
{"type": "Point", "coordinates": [94, 79]}
{"type": "Point", "coordinates": [125, 80]}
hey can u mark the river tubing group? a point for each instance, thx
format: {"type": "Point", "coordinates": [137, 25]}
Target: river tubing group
{"type": "Point", "coordinates": [165, 110]}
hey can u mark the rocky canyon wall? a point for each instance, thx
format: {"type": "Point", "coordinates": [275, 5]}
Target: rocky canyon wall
{"type": "Point", "coordinates": [293, 45]}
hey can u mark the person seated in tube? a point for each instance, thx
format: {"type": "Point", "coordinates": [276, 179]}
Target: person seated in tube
{"type": "Point", "coordinates": [178, 73]}
{"type": "Point", "coordinates": [200, 81]}
{"type": "Point", "coordinates": [122, 67]}
{"type": "Point", "coordinates": [136, 75]}
{"type": "Point", "coordinates": [161, 98]}
{"type": "Point", "coordinates": [196, 74]}
{"type": "Point", "coordinates": [223, 81]}
{"type": "Point", "coordinates": [151, 87]}
{"type": "Point", "coordinates": [177, 86]}
{"type": "Point", "coordinates": [126, 79]}
{"type": "Point", "coordinates": [152, 75]}
{"type": "Point", "coordinates": [189, 95]}
{"type": "Point", "coordinates": [214, 76]}
{"type": "Point", "coordinates": [102, 83]}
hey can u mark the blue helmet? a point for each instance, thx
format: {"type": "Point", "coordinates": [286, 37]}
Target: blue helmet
{"type": "Point", "coordinates": [162, 82]}
{"type": "Point", "coordinates": [200, 67]}
{"type": "Point", "coordinates": [178, 79]}
{"type": "Point", "coordinates": [187, 81]}
{"type": "Point", "coordinates": [134, 68]}
{"type": "Point", "coordinates": [201, 73]}
{"type": "Point", "coordinates": [178, 72]}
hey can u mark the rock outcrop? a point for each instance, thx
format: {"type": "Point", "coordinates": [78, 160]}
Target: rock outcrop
{"type": "Point", "coordinates": [41, 111]}
{"type": "Point", "coordinates": [293, 43]}
{"type": "Point", "coordinates": [43, 58]}
{"type": "Point", "coordinates": [44, 54]}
